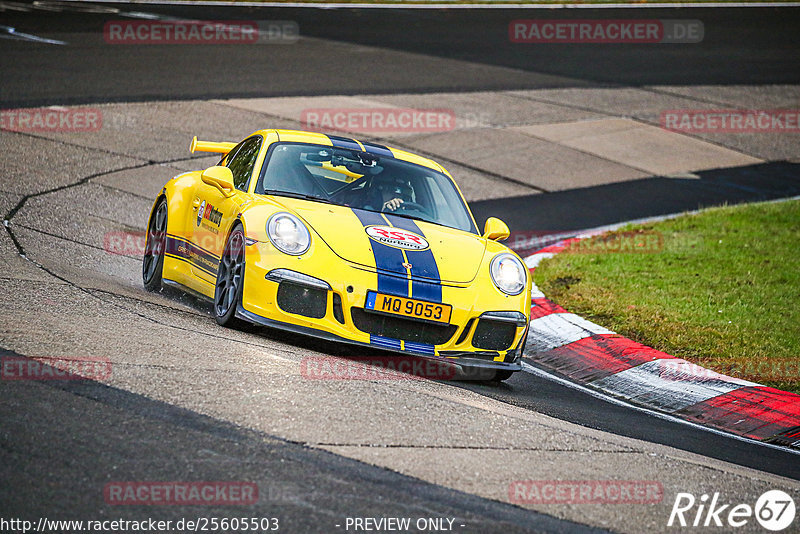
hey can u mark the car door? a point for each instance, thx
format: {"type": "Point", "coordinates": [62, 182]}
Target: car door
{"type": "Point", "coordinates": [213, 212]}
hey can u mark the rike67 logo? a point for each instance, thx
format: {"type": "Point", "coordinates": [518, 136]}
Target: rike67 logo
{"type": "Point", "coordinates": [397, 237]}
{"type": "Point", "coordinates": [774, 510]}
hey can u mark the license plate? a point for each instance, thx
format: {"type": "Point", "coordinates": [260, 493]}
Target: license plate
{"type": "Point", "coordinates": [417, 309]}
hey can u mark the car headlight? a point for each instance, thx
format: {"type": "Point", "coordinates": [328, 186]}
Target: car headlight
{"type": "Point", "coordinates": [508, 274]}
{"type": "Point", "coordinates": [288, 234]}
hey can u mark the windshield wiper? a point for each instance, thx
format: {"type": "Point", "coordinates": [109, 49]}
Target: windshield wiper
{"type": "Point", "coordinates": [292, 194]}
{"type": "Point", "coordinates": [403, 215]}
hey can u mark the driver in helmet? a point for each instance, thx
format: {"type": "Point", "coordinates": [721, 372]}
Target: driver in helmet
{"type": "Point", "coordinates": [390, 193]}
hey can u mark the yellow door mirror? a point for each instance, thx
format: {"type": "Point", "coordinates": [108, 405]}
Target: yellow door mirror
{"type": "Point", "coordinates": [495, 229]}
{"type": "Point", "coordinates": [219, 177]}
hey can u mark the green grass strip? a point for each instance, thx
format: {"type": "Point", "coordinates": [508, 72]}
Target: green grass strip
{"type": "Point", "coordinates": [720, 288]}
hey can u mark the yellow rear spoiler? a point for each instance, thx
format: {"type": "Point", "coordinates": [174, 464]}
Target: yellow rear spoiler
{"type": "Point", "coordinates": [210, 146]}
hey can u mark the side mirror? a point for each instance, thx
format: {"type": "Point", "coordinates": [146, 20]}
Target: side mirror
{"type": "Point", "coordinates": [219, 177]}
{"type": "Point", "coordinates": [495, 229]}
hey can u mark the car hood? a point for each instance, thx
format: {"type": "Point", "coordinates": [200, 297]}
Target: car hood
{"type": "Point", "coordinates": [388, 241]}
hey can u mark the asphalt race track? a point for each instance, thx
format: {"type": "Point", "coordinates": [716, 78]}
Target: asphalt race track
{"type": "Point", "coordinates": [189, 401]}
{"type": "Point", "coordinates": [390, 61]}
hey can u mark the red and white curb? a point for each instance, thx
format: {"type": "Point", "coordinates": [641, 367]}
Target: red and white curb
{"type": "Point", "coordinates": [608, 363]}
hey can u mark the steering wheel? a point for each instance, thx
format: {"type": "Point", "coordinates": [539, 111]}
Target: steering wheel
{"type": "Point", "coordinates": [405, 206]}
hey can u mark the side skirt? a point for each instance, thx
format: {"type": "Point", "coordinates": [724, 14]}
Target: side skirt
{"type": "Point", "coordinates": [186, 289]}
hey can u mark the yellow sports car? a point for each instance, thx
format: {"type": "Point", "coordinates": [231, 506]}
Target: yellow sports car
{"type": "Point", "coordinates": [344, 240]}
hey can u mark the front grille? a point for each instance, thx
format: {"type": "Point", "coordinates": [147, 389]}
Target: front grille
{"type": "Point", "coordinates": [302, 300]}
{"type": "Point", "coordinates": [493, 335]}
{"type": "Point", "coordinates": [399, 328]}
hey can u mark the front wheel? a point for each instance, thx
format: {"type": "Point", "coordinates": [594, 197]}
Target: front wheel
{"type": "Point", "coordinates": [155, 246]}
{"type": "Point", "coordinates": [230, 280]}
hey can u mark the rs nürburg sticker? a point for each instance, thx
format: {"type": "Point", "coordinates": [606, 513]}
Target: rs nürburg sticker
{"type": "Point", "coordinates": [397, 237]}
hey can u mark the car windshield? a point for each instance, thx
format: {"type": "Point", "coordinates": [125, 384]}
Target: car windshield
{"type": "Point", "coordinates": [366, 181]}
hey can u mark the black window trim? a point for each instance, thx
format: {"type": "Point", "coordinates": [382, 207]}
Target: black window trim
{"type": "Point", "coordinates": [235, 151]}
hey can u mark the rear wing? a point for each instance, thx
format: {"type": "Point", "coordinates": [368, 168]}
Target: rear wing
{"type": "Point", "coordinates": [210, 146]}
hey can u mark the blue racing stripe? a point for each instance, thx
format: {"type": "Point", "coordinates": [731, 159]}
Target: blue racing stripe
{"type": "Point", "coordinates": [379, 150]}
{"type": "Point", "coordinates": [191, 253]}
{"type": "Point", "coordinates": [420, 348]}
{"type": "Point", "coordinates": [387, 259]}
{"type": "Point", "coordinates": [385, 342]}
{"type": "Point", "coordinates": [344, 142]}
{"type": "Point", "coordinates": [423, 264]}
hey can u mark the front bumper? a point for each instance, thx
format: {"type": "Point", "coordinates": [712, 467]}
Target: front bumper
{"type": "Point", "coordinates": [339, 316]}
{"type": "Point", "coordinates": [467, 361]}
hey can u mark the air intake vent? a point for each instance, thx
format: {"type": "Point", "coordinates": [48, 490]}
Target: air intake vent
{"type": "Point", "coordinates": [494, 335]}
{"type": "Point", "coordinates": [302, 300]}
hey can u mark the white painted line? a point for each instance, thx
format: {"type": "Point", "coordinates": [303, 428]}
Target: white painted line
{"type": "Point", "coordinates": [14, 6]}
{"type": "Point", "coordinates": [11, 33]}
{"type": "Point", "coordinates": [446, 5]}
{"type": "Point", "coordinates": [558, 329]}
{"type": "Point", "coordinates": [668, 385]}
{"type": "Point", "coordinates": [528, 368]}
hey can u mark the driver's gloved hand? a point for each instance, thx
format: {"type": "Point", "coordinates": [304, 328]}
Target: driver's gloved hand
{"type": "Point", "coordinates": [392, 205]}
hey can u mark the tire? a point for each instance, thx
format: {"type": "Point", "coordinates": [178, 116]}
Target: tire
{"type": "Point", "coordinates": [155, 246]}
{"type": "Point", "coordinates": [501, 375]}
{"type": "Point", "coordinates": [230, 280]}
